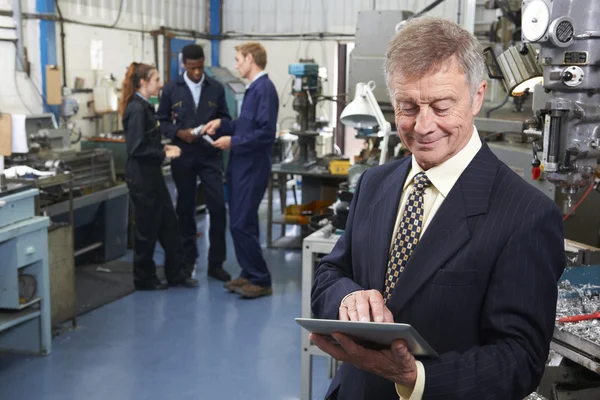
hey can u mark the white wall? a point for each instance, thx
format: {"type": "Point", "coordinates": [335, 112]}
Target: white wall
{"type": "Point", "coordinates": [120, 47]}
{"type": "Point", "coordinates": [301, 16]}
{"type": "Point", "coordinates": [19, 95]}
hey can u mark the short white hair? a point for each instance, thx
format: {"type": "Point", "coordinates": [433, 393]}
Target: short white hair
{"type": "Point", "coordinates": [425, 45]}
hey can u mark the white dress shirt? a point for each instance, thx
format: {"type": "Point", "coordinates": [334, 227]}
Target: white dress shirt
{"type": "Point", "coordinates": [195, 88]}
{"type": "Point", "coordinates": [442, 177]}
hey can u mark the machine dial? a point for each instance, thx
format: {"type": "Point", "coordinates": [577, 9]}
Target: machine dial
{"type": "Point", "coordinates": [572, 76]}
{"type": "Point", "coordinates": [535, 20]}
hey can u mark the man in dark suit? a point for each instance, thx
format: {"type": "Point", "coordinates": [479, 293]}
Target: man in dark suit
{"type": "Point", "coordinates": [449, 240]}
{"type": "Point", "coordinates": [193, 99]}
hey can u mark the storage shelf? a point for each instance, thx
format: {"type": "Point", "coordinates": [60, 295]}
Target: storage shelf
{"type": "Point", "coordinates": [30, 303]}
{"type": "Point", "coordinates": [10, 319]}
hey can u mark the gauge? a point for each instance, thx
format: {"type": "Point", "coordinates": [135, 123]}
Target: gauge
{"type": "Point", "coordinates": [535, 20]}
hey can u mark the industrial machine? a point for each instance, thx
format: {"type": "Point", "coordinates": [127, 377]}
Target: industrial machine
{"type": "Point", "coordinates": [374, 29]}
{"type": "Point", "coordinates": [557, 65]}
{"type": "Point", "coordinates": [77, 187]}
{"type": "Point", "coordinates": [234, 88]}
{"type": "Point", "coordinates": [552, 142]}
{"type": "Point", "coordinates": [306, 89]}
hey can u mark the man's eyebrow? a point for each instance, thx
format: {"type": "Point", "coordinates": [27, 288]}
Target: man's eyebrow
{"type": "Point", "coordinates": [405, 99]}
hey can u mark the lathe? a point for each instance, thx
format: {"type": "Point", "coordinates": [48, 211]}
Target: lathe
{"type": "Point", "coordinates": [77, 187]}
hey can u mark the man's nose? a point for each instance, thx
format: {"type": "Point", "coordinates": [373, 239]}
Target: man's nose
{"type": "Point", "coordinates": [425, 122]}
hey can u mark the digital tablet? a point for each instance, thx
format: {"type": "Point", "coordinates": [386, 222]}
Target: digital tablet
{"type": "Point", "coordinates": [374, 335]}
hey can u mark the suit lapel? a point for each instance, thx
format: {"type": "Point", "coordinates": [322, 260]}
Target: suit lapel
{"type": "Point", "coordinates": [382, 219]}
{"type": "Point", "coordinates": [448, 231]}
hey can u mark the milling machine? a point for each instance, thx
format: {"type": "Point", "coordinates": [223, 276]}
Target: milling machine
{"type": "Point", "coordinates": [312, 142]}
{"type": "Point", "coordinates": [558, 62]}
{"type": "Point", "coordinates": [555, 66]}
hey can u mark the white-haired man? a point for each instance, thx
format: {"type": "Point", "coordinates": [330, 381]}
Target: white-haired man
{"type": "Point", "coordinates": [449, 240]}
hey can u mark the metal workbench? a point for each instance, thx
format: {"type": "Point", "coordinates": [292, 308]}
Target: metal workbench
{"type": "Point", "coordinates": [25, 325]}
{"type": "Point", "coordinates": [315, 186]}
{"type": "Point", "coordinates": [314, 247]}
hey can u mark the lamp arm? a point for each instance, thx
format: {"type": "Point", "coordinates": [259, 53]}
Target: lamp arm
{"type": "Point", "coordinates": [381, 121]}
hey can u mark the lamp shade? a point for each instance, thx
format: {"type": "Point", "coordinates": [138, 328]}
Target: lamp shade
{"type": "Point", "coordinates": [359, 113]}
{"type": "Point", "coordinates": [521, 71]}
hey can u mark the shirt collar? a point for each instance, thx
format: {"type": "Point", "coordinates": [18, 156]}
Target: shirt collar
{"type": "Point", "coordinates": [142, 97]}
{"type": "Point", "coordinates": [192, 83]}
{"type": "Point", "coordinates": [260, 74]}
{"type": "Point", "coordinates": [445, 175]}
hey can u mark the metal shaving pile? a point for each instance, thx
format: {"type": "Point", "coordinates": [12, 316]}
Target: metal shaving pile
{"type": "Point", "coordinates": [576, 300]}
{"type": "Point", "coordinates": [535, 396]}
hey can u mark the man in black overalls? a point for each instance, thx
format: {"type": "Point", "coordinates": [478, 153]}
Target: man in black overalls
{"type": "Point", "coordinates": [193, 99]}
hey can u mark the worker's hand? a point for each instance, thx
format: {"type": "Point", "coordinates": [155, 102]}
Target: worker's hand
{"type": "Point", "coordinates": [186, 135]}
{"type": "Point", "coordinates": [223, 143]}
{"type": "Point", "coordinates": [172, 151]}
{"type": "Point", "coordinates": [395, 364]}
{"type": "Point", "coordinates": [211, 127]}
{"type": "Point", "coordinates": [365, 306]}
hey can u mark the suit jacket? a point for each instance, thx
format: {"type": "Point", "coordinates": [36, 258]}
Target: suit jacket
{"type": "Point", "coordinates": [480, 287]}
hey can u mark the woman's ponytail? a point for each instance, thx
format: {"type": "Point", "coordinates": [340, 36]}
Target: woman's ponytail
{"type": "Point", "coordinates": [135, 73]}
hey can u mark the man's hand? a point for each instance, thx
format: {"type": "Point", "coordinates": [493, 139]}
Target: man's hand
{"type": "Point", "coordinates": [172, 151]}
{"type": "Point", "coordinates": [395, 364]}
{"type": "Point", "coordinates": [365, 306]}
{"type": "Point", "coordinates": [223, 143]}
{"type": "Point", "coordinates": [211, 127]}
{"type": "Point", "coordinates": [186, 135]}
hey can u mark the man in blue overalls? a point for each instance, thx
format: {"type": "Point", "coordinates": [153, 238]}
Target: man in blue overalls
{"type": "Point", "coordinates": [189, 101]}
{"type": "Point", "coordinates": [252, 136]}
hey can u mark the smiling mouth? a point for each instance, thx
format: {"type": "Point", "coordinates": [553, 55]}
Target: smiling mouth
{"type": "Point", "coordinates": [428, 142]}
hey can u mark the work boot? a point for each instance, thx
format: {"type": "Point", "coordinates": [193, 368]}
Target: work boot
{"type": "Point", "coordinates": [252, 291]}
{"type": "Point", "coordinates": [236, 284]}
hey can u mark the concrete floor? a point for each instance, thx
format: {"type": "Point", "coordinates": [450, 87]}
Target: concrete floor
{"type": "Point", "coordinates": [178, 344]}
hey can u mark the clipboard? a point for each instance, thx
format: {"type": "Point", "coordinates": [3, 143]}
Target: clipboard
{"type": "Point", "coordinates": [53, 85]}
{"type": "Point", "coordinates": [373, 335]}
{"type": "Point", "coordinates": [5, 134]}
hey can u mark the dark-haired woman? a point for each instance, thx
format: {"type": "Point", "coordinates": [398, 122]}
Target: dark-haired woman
{"type": "Point", "coordinates": [155, 218]}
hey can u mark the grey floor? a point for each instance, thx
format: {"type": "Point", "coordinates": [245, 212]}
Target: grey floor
{"type": "Point", "coordinates": [178, 344]}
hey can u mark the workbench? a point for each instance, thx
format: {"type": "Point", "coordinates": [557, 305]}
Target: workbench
{"type": "Point", "coordinates": [314, 247]}
{"type": "Point", "coordinates": [25, 324]}
{"type": "Point", "coordinates": [316, 185]}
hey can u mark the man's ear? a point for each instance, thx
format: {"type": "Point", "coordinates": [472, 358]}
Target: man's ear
{"type": "Point", "coordinates": [478, 98]}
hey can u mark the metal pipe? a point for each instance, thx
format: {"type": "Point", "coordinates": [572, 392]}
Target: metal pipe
{"type": "Point", "coordinates": [17, 17]}
{"type": "Point", "coordinates": [340, 129]}
{"type": "Point", "coordinates": [87, 249]}
{"type": "Point", "coordinates": [63, 48]}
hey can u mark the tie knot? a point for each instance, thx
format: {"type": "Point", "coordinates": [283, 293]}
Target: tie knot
{"type": "Point", "coordinates": [421, 182]}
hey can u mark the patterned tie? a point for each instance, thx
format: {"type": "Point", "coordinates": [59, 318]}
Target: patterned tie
{"type": "Point", "coordinates": [408, 233]}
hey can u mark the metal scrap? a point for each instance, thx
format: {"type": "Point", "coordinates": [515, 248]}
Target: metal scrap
{"type": "Point", "coordinates": [535, 396]}
{"type": "Point", "coordinates": [577, 300]}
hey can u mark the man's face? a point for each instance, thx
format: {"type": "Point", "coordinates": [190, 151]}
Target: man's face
{"type": "Point", "coordinates": [194, 69]}
{"type": "Point", "coordinates": [243, 64]}
{"type": "Point", "coordinates": [434, 115]}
